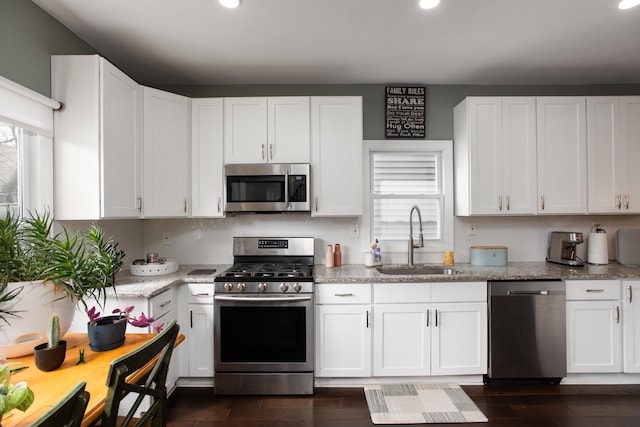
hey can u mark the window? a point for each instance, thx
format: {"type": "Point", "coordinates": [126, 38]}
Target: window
{"type": "Point", "coordinates": [404, 174]}
{"type": "Point", "coordinates": [26, 149]}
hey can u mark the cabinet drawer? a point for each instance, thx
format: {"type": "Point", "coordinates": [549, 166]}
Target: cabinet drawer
{"type": "Point", "coordinates": [593, 290]}
{"type": "Point", "coordinates": [162, 304]}
{"type": "Point", "coordinates": [343, 293]}
{"type": "Point", "coordinates": [401, 293]}
{"type": "Point", "coordinates": [200, 293]}
{"type": "Point", "coordinates": [459, 292]}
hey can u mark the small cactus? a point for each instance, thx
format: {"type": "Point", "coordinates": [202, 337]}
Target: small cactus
{"type": "Point", "coordinates": [54, 331]}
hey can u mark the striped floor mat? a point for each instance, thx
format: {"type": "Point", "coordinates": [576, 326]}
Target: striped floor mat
{"type": "Point", "coordinates": [421, 404]}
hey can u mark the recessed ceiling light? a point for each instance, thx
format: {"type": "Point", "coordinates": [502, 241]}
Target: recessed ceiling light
{"type": "Point", "coordinates": [429, 4]}
{"type": "Point", "coordinates": [628, 4]}
{"type": "Point", "coordinates": [231, 4]}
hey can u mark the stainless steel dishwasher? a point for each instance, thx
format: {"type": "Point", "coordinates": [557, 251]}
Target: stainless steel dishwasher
{"type": "Point", "coordinates": [527, 330]}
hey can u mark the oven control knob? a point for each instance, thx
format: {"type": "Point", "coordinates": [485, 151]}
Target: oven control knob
{"type": "Point", "coordinates": [242, 287]}
{"type": "Point", "coordinates": [297, 287]}
{"type": "Point", "coordinates": [262, 287]}
{"type": "Point", "coordinates": [284, 287]}
{"type": "Point", "coordinates": [228, 287]}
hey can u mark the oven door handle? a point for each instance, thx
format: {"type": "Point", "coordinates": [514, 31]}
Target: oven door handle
{"type": "Point", "coordinates": [262, 299]}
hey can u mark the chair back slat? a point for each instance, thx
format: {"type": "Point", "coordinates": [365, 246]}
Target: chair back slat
{"type": "Point", "coordinates": [122, 380]}
{"type": "Point", "coordinates": [68, 412]}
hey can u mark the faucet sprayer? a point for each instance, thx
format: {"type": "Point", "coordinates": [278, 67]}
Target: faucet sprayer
{"type": "Point", "coordinates": [420, 237]}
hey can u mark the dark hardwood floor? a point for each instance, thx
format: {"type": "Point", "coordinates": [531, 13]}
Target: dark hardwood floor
{"type": "Point", "coordinates": [503, 404]}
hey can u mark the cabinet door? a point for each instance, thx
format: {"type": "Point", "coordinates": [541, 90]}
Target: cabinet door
{"type": "Point", "coordinates": [207, 171]}
{"type": "Point", "coordinates": [562, 155]}
{"type": "Point", "coordinates": [486, 155]}
{"type": "Point", "coordinates": [603, 142]}
{"type": "Point", "coordinates": [166, 146]}
{"type": "Point", "coordinates": [336, 156]}
{"type": "Point", "coordinates": [631, 304]}
{"type": "Point", "coordinates": [343, 341]}
{"type": "Point", "coordinates": [201, 340]}
{"type": "Point", "coordinates": [288, 129]}
{"type": "Point", "coordinates": [245, 130]}
{"type": "Point", "coordinates": [459, 339]}
{"type": "Point", "coordinates": [121, 144]}
{"type": "Point", "coordinates": [401, 340]}
{"type": "Point", "coordinates": [594, 336]}
{"type": "Point", "coordinates": [630, 152]}
{"type": "Point", "coordinates": [519, 156]}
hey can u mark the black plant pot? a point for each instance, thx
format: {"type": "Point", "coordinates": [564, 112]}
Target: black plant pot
{"type": "Point", "coordinates": [48, 359]}
{"type": "Point", "coordinates": [107, 333]}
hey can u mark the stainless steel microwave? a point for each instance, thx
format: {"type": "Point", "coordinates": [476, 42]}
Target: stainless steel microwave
{"type": "Point", "coordinates": [267, 188]}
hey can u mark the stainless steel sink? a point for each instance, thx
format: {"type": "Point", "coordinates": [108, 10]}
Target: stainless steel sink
{"type": "Point", "coordinates": [414, 269]}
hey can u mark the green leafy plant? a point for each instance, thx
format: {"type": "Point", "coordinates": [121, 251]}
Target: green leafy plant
{"type": "Point", "coordinates": [18, 396]}
{"type": "Point", "coordinates": [53, 334]}
{"type": "Point", "coordinates": [84, 263]}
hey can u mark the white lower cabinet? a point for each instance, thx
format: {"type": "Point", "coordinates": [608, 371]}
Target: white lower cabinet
{"type": "Point", "coordinates": [631, 304]}
{"type": "Point", "coordinates": [200, 329]}
{"type": "Point", "coordinates": [429, 329]}
{"type": "Point", "coordinates": [343, 332]}
{"type": "Point", "coordinates": [594, 326]}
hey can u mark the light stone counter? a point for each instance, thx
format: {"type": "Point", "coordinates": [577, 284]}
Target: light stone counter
{"type": "Point", "coordinates": [355, 273]}
{"type": "Point", "coordinates": [128, 285]}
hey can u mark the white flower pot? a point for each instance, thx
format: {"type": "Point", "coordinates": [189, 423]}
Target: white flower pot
{"type": "Point", "coordinates": [35, 304]}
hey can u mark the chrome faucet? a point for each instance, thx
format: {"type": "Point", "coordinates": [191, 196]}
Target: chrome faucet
{"type": "Point", "coordinates": [420, 239]}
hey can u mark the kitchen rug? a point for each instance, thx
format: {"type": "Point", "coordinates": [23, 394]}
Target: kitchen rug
{"type": "Point", "coordinates": [421, 404]}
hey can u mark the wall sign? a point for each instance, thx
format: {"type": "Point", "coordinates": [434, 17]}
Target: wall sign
{"type": "Point", "coordinates": [405, 112]}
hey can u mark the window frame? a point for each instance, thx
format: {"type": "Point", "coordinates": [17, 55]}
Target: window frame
{"type": "Point", "coordinates": [445, 148]}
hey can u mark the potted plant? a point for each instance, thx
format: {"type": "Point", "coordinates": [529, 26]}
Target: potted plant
{"type": "Point", "coordinates": [50, 355]}
{"type": "Point", "coordinates": [18, 396]}
{"type": "Point", "coordinates": [108, 332]}
{"type": "Point", "coordinates": [51, 269]}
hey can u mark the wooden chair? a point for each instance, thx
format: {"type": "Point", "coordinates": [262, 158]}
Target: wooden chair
{"type": "Point", "coordinates": [68, 412]}
{"type": "Point", "coordinates": [124, 378]}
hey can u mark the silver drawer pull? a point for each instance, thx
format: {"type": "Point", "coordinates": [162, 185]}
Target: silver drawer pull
{"type": "Point", "coordinates": [203, 294]}
{"type": "Point", "coordinates": [343, 295]}
{"type": "Point", "coordinates": [595, 290]}
{"type": "Point", "coordinates": [164, 304]}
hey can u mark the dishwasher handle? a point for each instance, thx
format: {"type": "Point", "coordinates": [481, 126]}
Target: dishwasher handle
{"type": "Point", "coordinates": [542, 292]}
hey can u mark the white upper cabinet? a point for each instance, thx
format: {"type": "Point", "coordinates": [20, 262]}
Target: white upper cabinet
{"type": "Point", "coordinates": [266, 130]}
{"type": "Point", "coordinates": [336, 155]}
{"type": "Point", "coordinates": [613, 152]}
{"type": "Point", "coordinates": [166, 148]}
{"type": "Point", "coordinates": [562, 155]}
{"type": "Point", "coordinates": [97, 149]}
{"type": "Point", "coordinates": [206, 157]}
{"type": "Point", "coordinates": [495, 156]}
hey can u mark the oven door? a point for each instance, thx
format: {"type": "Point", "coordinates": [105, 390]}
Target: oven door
{"type": "Point", "coordinates": [267, 188]}
{"type": "Point", "coordinates": [263, 333]}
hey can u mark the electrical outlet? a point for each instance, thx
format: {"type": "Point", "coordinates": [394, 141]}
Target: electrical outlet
{"type": "Point", "coordinates": [355, 231]}
{"type": "Point", "coordinates": [166, 238]}
{"type": "Point", "coordinates": [471, 229]}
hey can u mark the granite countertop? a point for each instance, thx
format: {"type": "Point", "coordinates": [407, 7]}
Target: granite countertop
{"type": "Point", "coordinates": [128, 285]}
{"type": "Point", "coordinates": [355, 273]}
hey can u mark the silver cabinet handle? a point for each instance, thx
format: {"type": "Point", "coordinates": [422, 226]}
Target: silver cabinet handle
{"type": "Point", "coordinates": [191, 318]}
{"type": "Point", "coordinates": [618, 201]}
{"type": "Point", "coordinates": [595, 290]}
{"type": "Point", "coordinates": [343, 295]}
{"type": "Point", "coordinates": [626, 201]}
{"type": "Point", "coordinates": [630, 294]}
{"type": "Point", "coordinates": [428, 317]}
{"type": "Point", "coordinates": [316, 204]}
{"type": "Point", "coordinates": [271, 151]}
{"type": "Point", "coordinates": [436, 318]}
{"type": "Point", "coordinates": [185, 205]}
{"type": "Point", "coordinates": [201, 294]}
{"type": "Point", "coordinates": [262, 151]}
{"type": "Point", "coordinates": [367, 319]}
{"type": "Point", "coordinates": [617, 314]}
{"type": "Point", "coordinates": [500, 203]}
{"type": "Point", "coordinates": [219, 200]}
{"type": "Point", "coordinates": [139, 203]}
{"type": "Point", "coordinates": [286, 187]}
{"type": "Point", "coordinates": [542, 202]}
{"type": "Point", "coordinates": [164, 304]}
{"type": "Point", "coordinates": [508, 202]}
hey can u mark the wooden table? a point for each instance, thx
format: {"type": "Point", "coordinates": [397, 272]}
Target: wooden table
{"type": "Point", "coordinates": [50, 387]}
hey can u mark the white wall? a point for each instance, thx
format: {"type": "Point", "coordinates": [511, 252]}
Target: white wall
{"type": "Point", "coordinates": [209, 241]}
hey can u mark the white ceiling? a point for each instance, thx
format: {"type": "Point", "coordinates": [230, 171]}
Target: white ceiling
{"type": "Point", "coordinates": [166, 42]}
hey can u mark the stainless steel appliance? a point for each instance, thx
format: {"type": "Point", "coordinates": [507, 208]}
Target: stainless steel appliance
{"type": "Point", "coordinates": [561, 247]}
{"type": "Point", "coordinates": [264, 318]}
{"type": "Point", "coordinates": [267, 188]}
{"type": "Point", "coordinates": [527, 337]}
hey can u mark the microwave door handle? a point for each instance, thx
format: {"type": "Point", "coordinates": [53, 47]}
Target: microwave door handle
{"type": "Point", "coordinates": [286, 188]}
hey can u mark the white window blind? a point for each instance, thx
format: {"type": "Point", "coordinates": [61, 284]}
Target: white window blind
{"type": "Point", "coordinates": [400, 180]}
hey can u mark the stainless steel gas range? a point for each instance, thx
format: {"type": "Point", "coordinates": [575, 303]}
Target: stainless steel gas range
{"type": "Point", "coordinates": [264, 312]}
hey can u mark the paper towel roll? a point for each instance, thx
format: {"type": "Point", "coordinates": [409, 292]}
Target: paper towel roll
{"type": "Point", "coordinates": [598, 252]}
